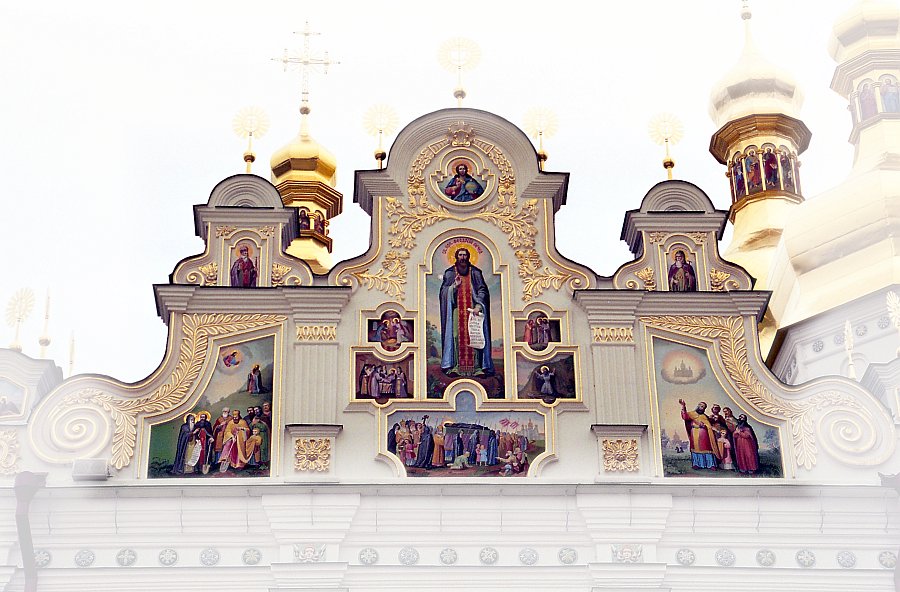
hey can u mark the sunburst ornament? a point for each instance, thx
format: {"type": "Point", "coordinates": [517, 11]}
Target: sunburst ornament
{"type": "Point", "coordinates": [540, 123]}
{"type": "Point", "coordinates": [17, 310]}
{"type": "Point", "coordinates": [666, 130]}
{"type": "Point", "coordinates": [250, 122]}
{"type": "Point", "coordinates": [378, 121]}
{"type": "Point", "coordinates": [456, 55]}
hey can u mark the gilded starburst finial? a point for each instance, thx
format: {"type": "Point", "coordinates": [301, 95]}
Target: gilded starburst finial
{"type": "Point", "coordinates": [44, 339]}
{"type": "Point", "coordinates": [305, 61]}
{"type": "Point", "coordinates": [666, 130]}
{"type": "Point", "coordinates": [250, 122]}
{"type": "Point", "coordinates": [17, 310]}
{"type": "Point", "coordinates": [540, 123]}
{"type": "Point", "coordinates": [380, 120]}
{"type": "Point", "coordinates": [457, 55]}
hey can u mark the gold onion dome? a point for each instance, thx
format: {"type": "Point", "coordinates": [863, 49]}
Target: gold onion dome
{"type": "Point", "coordinates": [754, 85]}
{"type": "Point", "coordinates": [869, 25]}
{"type": "Point", "coordinates": [303, 159]}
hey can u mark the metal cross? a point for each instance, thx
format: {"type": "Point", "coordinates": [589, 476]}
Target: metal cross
{"type": "Point", "coordinates": [306, 62]}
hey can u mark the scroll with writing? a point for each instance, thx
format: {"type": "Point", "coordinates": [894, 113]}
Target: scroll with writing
{"type": "Point", "coordinates": [476, 329]}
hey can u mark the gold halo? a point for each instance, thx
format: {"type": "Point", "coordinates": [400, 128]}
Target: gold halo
{"type": "Point", "coordinates": [184, 419]}
{"type": "Point", "coordinates": [468, 246]}
{"type": "Point", "coordinates": [236, 250]}
{"type": "Point", "coordinates": [201, 412]}
{"type": "Point", "coordinates": [545, 368]}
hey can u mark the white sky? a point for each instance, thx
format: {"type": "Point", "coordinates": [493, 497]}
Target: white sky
{"type": "Point", "coordinates": [118, 120]}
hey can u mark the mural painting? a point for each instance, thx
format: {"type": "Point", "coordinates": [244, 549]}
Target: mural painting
{"type": "Point", "coordinates": [12, 396]}
{"type": "Point", "coordinates": [548, 380]}
{"type": "Point", "coordinates": [228, 432]}
{"type": "Point", "coordinates": [390, 330]}
{"type": "Point", "coordinates": [538, 331]}
{"type": "Point", "coordinates": [465, 442]}
{"type": "Point", "coordinates": [382, 380]}
{"type": "Point", "coordinates": [461, 186]}
{"type": "Point", "coordinates": [464, 331]}
{"type": "Point", "coordinates": [244, 269]}
{"type": "Point", "coordinates": [703, 430]}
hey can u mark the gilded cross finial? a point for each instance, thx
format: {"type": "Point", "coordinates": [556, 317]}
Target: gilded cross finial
{"type": "Point", "coordinates": [541, 123]}
{"type": "Point", "coordinates": [457, 55]}
{"type": "Point", "coordinates": [44, 339]}
{"type": "Point", "coordinates": [250, 122]}
{"type": "Point", "coordinates": [306, 61]}
{"type": "Point", "coordinates": [665, 129]}
{"type": "Point", "coordinates": [17, 310]}
{"type": "Point", "coordinates": [378, 121]}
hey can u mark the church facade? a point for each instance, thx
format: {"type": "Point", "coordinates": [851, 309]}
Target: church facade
{"type": "Point", "coordinates": [461, 407]}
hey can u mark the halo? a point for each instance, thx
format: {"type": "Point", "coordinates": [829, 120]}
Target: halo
{"type": "Point", "coordinates": [470, 247]}
{"type": "Point", "coordinates": [201, 412]}
{"type": "Point", "coordinates": [184, 419]}
{"type": "Point", "coordinates": [236, 250]}
{"type": "Point", "coordinates": [545, 368]}
{"type": "Point", "coordinates": [451, 168]}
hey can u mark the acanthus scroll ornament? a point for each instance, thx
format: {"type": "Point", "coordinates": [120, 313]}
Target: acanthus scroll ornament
{"type": "Point", "coordinates": [728, 335]}
{"type": "Point", "coordinates": [719, 282]}
{"type": "Point", "coordinates": [646, 276]}
{"type": "Point", "coordinates": [209, 274]}
{"type": "Point", "coordinates": [279, 272]}
{"type": "Point", "coordinates": [225, 231]}
{"type": "Point", "coordinates": [73, 428]}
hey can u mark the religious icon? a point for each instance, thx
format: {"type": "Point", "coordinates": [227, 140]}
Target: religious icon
{"type": "Point", "coordinates": [867, 106]}
{"type": "Point", "coordinates": [682, 277]}
{"type": "Point", "coordinates": [548, 380]}
{"type": "Point", "coordinates": [390, 330]}
{"type": "Point", "coordinates": [244, 268]}
{"type": "Point", "coordinates": [770, 163]}
{"type": "Point", "coordinates": [381, 380]}
{"type": "Point", "coordinates": [890, 96]}
{"type": "Point", "coordinates": [461, 315]}
{"type": "Point", "coordinates": [788, 172]}
{"type": "Point", "coordinates": [462, 186]}
{"type": "Point", "coordinates": [704, 432]}
{"type": "Point", "coordinates": [737, 175]}
{"type": "Point", "coordinates": [538, 331]}
{"type": "Point", "coordinates": [303, 215]}
{"type": "Point", "coordinates": [754, 174]}
{"type": "Point", "coordinates": [12, 397]}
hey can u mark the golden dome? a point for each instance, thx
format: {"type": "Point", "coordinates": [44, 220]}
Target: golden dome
{"type": "Point", "coordinates": [303, 159]}
{"type": "Point", "coordinates": [754, 86]}
{"type": "Point", "coordinates": [869, 25]}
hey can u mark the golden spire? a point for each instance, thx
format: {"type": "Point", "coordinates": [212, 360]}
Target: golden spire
{"type": "Point", "coordinates": [457, 55]}
{"type": "Point", "coordinates": [540, 123]}
{"type": "Point", "coordinates": [44, 340]}
{"type": "Point", "coordinates": [250, 122]}
{"type": "Point", "coordinates": [665, 129]}
{"type": "Point", "coordinates": [378, 121]}
{"type": "Point", "coordinates": [18, 309]}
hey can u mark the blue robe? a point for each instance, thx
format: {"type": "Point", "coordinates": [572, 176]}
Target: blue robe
{"type": "Point", "coordinates": [449, 314]}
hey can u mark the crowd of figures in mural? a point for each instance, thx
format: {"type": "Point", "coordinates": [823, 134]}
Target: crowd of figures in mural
{"type": "Point", "coordinates": [703, 430]}
{"type": "Point", "coordinates": [235, 442]}
{"type": "Point", "coordinates": [466, 443]}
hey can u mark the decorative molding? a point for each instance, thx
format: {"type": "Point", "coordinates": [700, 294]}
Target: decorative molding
{"type": "Point", "coordinates": [647, 277]}
{"type": "Point", "coordinates": [621, 455]}
{"type": "Point", "coordinates": [209, 274]}
{"type": "Point", "coordinates": [225, 231]}
{"type": "Point", "coordinates": [312, 454]}
{"type": "Point", "coordinates": [168, 557]}
{"type": "Point", "coordinates": [657, 237]}
{"type": "Point", "coordinates": [43, 557]}
{"type": "Point", "coordinates": [268, 231]}
{"type": "Point", "coordinates": [765, 557]}
{"type": "Point", "coordinates": [408, 556]}
{"type": "Point", "coordinates": [126, 557]}
{"type": "Point", "coordinates": [528, 556]}
{"type": "Point", "coordinates": [368, 556]}
{"type": "Point", "coordinates": [391, 278]}
{"type": "Point", "coordinates": [316, 332]}
{"type": "Point", "coordinates": [612, 334]}
{"type": "Point", "coordinates": [728, 335]}
{"type": "Point", "coordinates": [488, 555]}
{"type": "Point", "coordinates": [460, 134]}
{"type": "Point", "coordinates": [725, 557]}
{"type": "Point", "coordinates": [805, 558]}
{"type": "Point", "coordinates": [887, 559]}
{"type": "Point", "coordinates": [84, 558]}
{"type": "Point", "coordinates": [627, 553]}
{"type": "Point", "coordinates": [308, 553]}
{"type": "Point", "coordinates": [567, 555]}
{"type": "Point", "coordinates": [698, 237]}
{"type": "Point", "coordinates": [449, 556]}
{"type": "Point", "coordinates": [251, 556]}
{"type": "Point", "coordinates": [209, 557]}
{"type": "Point", "coordinates": [685, 557]}
{"type": "Point", "coordinates": [846, 559]}
{"type": "Point", "coordinates": [88, 407]}
{"type": "Point", "coordinates": [9, 452]}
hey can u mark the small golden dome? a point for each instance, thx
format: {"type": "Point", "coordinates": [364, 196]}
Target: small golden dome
{"type": "Point", "coordinates": [303, 159]}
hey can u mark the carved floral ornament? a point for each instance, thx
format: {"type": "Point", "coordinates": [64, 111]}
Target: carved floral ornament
{"type": "Point", "coordinates": [9, 452]}
{"type": "Point", "coordinates": [847, 430]}
{"type": "Point", "coordinates": [84, 422]}
{"type": "Point", "coordinates": [621, 455]}
{"type": "Point", "coordinates": [516, 219]}
{"type": "Point", "coordinates": [312, 454]}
